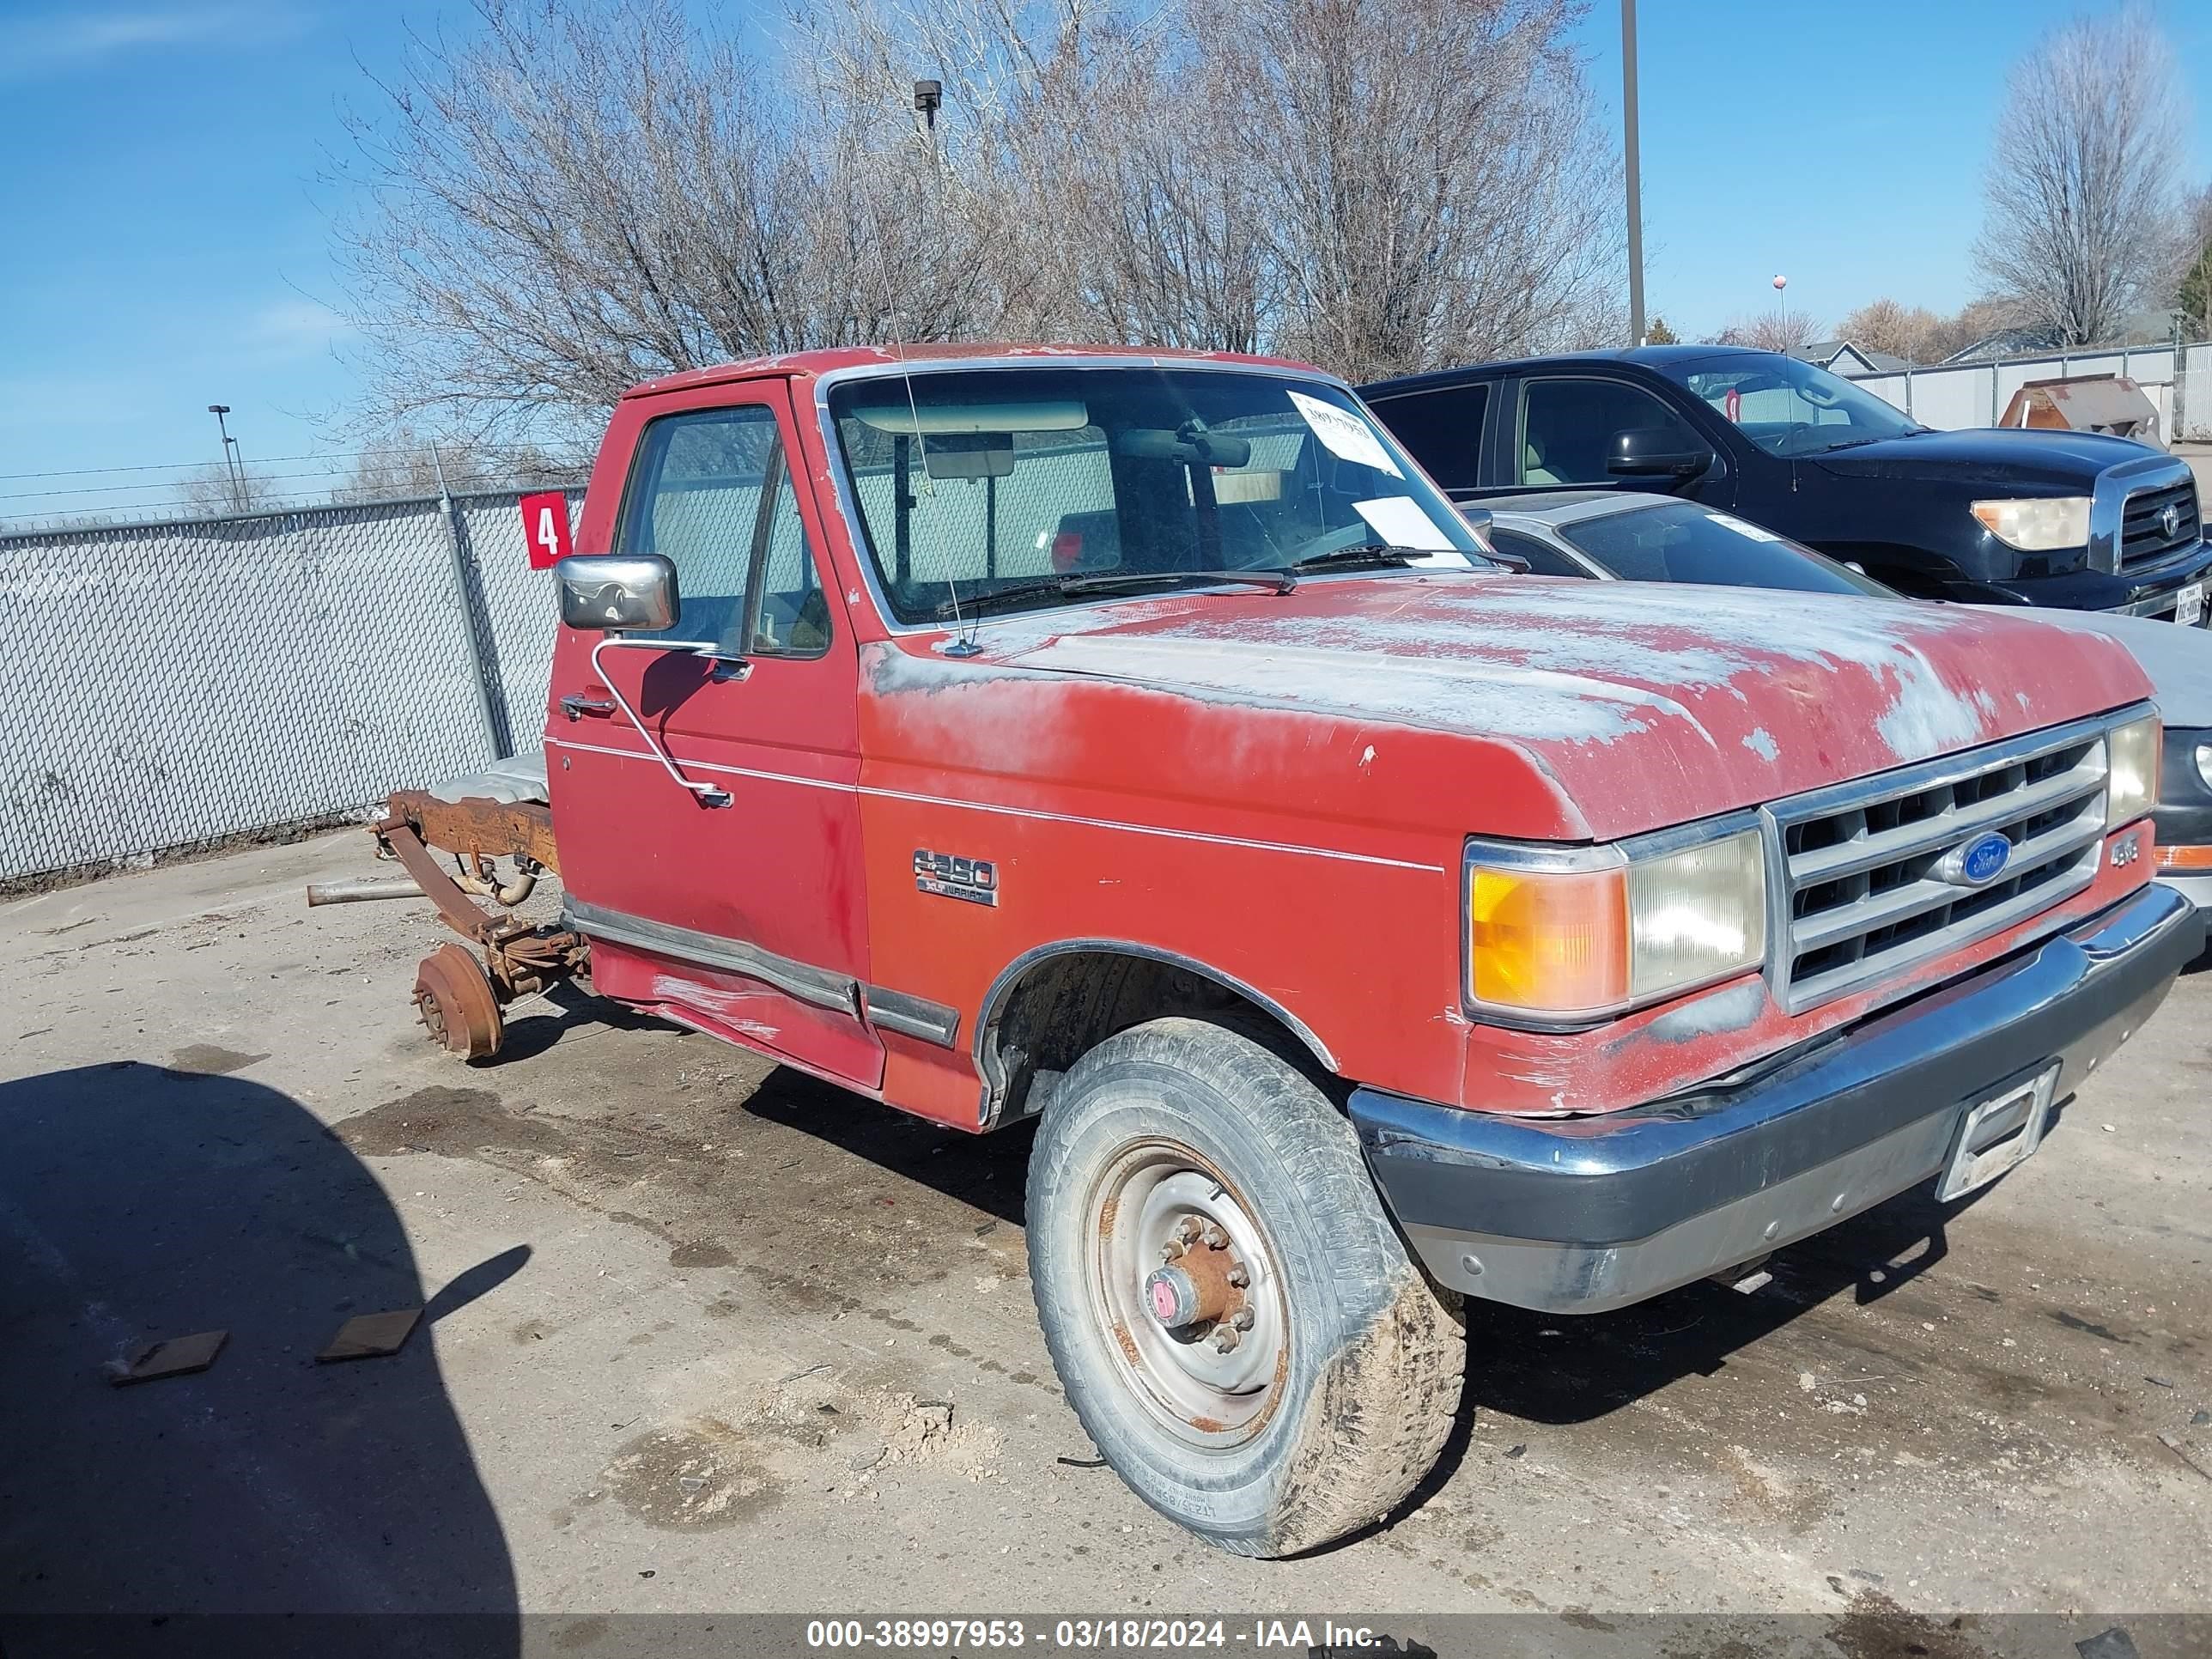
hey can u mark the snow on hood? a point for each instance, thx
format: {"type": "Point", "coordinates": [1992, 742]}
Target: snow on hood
{"type": "Point", "coordinates": [1647, 703]}
{"type": "Point", "coordinates": [2179, 661]}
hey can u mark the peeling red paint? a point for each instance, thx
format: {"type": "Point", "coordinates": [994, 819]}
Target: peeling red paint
{"type": "Point", "coordinates": [1279, 787]}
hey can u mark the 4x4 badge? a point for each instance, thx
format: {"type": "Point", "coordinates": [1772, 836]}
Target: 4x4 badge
{"type": "Point", "coordinates": [976, 880]}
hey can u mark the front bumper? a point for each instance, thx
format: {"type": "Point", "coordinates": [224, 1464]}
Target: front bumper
{"type": "Point", "coordinates": [2196, 886]}
{"type": "Point", "coordinates": [2148, 591]}
{"type": "Point", "coordinates": [1579, 1215]}
{"type": "Point", "coordinates": [2184, 815]}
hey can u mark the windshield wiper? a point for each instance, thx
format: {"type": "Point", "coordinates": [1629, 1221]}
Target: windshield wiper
{"type": "Point", "coordinates": [1374, 553]}
{"type": "Point", "coordinates": [1108, 581]}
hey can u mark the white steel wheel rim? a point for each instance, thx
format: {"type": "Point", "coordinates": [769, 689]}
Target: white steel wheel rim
{"type": "Point", "coordinates": [1206, 1398]}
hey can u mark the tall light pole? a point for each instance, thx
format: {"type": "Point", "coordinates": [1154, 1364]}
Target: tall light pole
{"type": "Point", "coordinates": [1635, 183]}
{"type": "Point", "coordinates": [1782, 300]}
{"type": "Point", "coordinates": [233, 465]}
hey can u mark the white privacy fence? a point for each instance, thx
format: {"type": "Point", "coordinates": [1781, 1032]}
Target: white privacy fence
{"type": "Point", "coordinates": [179, 685]}
{"type": "Point", "coordinates": [2178, 380]}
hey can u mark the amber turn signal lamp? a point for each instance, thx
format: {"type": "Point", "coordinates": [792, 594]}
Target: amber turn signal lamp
{"type": "Point", "coordinates": [1549, 941]}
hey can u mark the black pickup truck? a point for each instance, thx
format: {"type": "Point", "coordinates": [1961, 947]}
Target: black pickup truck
{"type": "Point", "coordinates": [1992, 514]}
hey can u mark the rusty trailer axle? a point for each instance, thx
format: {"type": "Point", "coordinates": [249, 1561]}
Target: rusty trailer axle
{"type": "Point", "coordinates": [458, 992]}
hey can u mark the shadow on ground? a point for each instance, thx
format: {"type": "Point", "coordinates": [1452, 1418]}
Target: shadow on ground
{"type": "Point", "coordinates": [1554, 1368]}
{"type": "Point", "coordinates": [269, 1504]}
{"type": "Point", "coordinates": [988, 1171]}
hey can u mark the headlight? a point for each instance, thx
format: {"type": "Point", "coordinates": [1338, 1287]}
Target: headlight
{"type": "Point", "coordinates": [2037, 524]}
{"type": "Point", "coordinates": [2131, 770]}
{"type": "Point", "coordinates": [1576, 933]}
{"type": "Point", "coordinates": [2204, 763]}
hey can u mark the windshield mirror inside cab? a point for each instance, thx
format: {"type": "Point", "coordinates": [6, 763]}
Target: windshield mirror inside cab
{"type": "Point", "coordinates": [970, 480]}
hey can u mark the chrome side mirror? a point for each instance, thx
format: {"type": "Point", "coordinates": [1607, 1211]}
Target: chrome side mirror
{"type": "Point", "coordinates": [618, 594]}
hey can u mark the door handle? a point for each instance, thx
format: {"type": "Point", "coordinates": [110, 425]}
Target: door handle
{"type": "Point", "coordinates": [575, 706]}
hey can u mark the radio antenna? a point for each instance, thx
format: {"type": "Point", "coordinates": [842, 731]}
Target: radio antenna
{"type": "Point", "coordinates": [927, 98]}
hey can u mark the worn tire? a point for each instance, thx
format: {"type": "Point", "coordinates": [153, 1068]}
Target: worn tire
{"type": "Point", "coordinates": [1369, 1372]}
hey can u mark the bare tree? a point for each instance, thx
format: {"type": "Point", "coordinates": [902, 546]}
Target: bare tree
{"type": "Point", "coordinates": [404, 464]}
{"type": "Point", "coordinates": [1976, 320]}
{"type": "Point", "coordinates": [1381, 184]}
{"type": "Point", "coordinates": [577, 197]}
{"type": "Point", "coordinates": [2193, 293]}
{"type": "Point", "coordinates": [1032, 184]}
{"type": "Point", "coordinates": [1427, 171]}
{"type": "Point", "coordinates": [2079, 216]}
{"type": "Point", "coordinates": [1888, 325]}
{"type": "Point", "coordinates": [579, 194]}
{"type": "Point", "coordinates": [1773, 330]}
{"type": "Point", "coordinates": [215, 492]}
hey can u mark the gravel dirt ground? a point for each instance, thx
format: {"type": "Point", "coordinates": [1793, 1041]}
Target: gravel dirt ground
{"type": "Point", "coordinates": [705, 1335]}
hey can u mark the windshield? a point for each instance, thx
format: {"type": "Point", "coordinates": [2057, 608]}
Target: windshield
{"type": "Point", "coordinates": [1787, 407]}
{"type": "Point", "coordinates": [1682, 541]}
{"type": "Point", "coordinates": [977, 483]}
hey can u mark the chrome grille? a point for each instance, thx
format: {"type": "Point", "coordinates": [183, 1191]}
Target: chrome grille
{"type": "Point", "coordinates": [2144, 536]}
{"type": "Point", "coordinates": [1860, 860]}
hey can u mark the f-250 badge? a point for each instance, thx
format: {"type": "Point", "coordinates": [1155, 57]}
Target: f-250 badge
{"type": "Point", "coordinates": [976, 880]}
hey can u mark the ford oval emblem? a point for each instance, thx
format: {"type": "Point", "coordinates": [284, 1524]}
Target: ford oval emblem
{"type": "Point", "coordinates": [1978, 863]}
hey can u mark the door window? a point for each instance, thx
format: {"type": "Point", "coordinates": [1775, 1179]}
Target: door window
{"type": "Point", "coordinates": [1443, 429]}
{"type": "Point", "coordinates": [714, 494]}
{"type": "Point", "coordinates": [1567, 427]}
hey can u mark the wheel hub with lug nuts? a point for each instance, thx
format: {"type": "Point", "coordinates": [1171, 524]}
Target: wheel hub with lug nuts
{"type": "Point", "coordinates": [1187, 1284]}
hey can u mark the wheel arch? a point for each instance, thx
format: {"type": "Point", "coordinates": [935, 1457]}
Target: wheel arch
{"type": "Point", "coordinates": [1056, 999]}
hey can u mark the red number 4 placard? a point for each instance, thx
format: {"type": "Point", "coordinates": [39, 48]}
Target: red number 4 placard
{"type": "Point", "coordinates": [545, 528]}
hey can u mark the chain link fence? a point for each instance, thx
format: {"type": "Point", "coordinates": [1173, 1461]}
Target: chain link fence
{"type": "Point", "coordinates": [180, 685]}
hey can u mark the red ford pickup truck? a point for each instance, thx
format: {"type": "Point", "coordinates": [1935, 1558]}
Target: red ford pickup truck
{"type": "Point", "coordinates": [1140, 747]}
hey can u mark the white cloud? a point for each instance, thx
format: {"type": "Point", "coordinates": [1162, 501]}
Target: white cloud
{"type": "Point", "coordinates": [294, 323]}
{"type": "Point", "coordinates": [66, 41]}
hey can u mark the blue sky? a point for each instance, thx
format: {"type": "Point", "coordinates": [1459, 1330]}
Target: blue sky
{"type": "Point", "coordinates": [166, 239]}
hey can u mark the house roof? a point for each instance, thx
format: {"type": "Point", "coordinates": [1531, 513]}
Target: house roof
{"type": "Point", "coordinates": [1824, 353]}
{"type": "Point", "coordinates": [2025, 341]}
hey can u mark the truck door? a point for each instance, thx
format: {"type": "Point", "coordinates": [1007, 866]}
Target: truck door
{"type": "Point", "coordinates": [739, 912]}
{"type": "Point", "coordinates": [1563, 433]}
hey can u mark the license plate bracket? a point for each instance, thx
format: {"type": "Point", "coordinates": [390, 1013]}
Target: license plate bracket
{"type": "Point", "coordinates": [1998, 1133]}
{"type": "Point", "coordinates": [2189, 605]}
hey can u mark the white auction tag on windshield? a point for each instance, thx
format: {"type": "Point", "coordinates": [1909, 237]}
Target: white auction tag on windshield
{"type": "Point", "coordinates": [1345, 435]}
{"type": "Point", "coordinates": [1399, 520]}
{"type": "Point", "coordinates": [1743, 528]}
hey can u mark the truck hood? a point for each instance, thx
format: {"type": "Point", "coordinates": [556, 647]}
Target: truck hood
{"type": "Point", "coordinates": [2179, 661]}
{"type": "Point", "coordinates": [1987, 455]}
{"type": "Point", "coordinates": [1643, 707]}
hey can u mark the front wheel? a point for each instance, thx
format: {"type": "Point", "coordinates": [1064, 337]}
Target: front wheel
{"type": "Point", "coordinates": [1232, 1315]}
